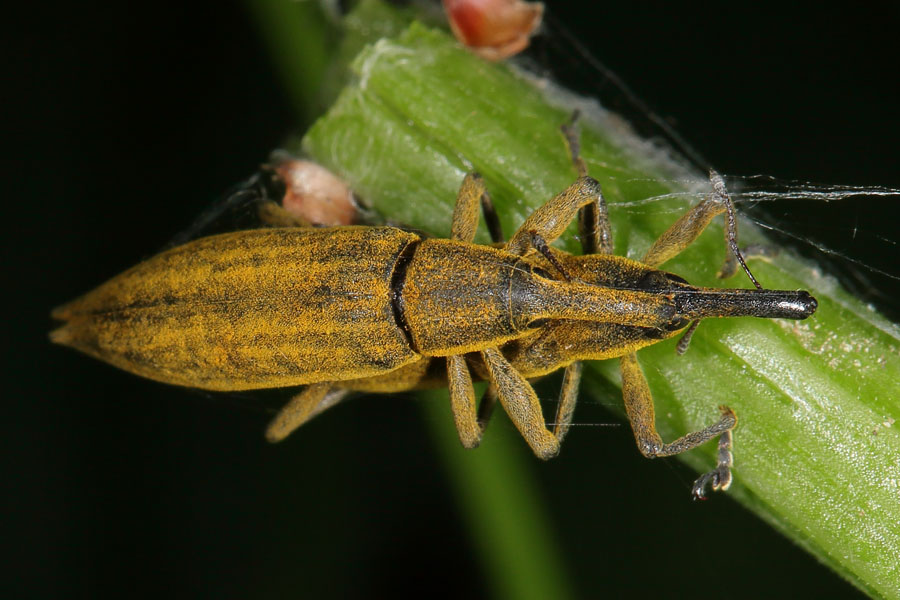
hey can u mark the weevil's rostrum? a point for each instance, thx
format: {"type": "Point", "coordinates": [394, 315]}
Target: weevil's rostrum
{"type": "Point", "coordinates": [385, 310]}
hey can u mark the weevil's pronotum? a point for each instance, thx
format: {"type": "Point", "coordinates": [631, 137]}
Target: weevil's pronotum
{"type": "Point", "coordinates": [382, 309]}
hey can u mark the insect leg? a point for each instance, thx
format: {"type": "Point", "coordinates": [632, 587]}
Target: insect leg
{"type": "Point", "coordinates": [521, 404]}
{"type": "Point", "coordinates": [593, 219]}
{"type": "Point", "coordinates": [639, 407]}
{"type": "Point", "coordinates": [683, 232]}
{"type": "Point", "coordinates": [462, 402]}
{"type": "Point", "coordinates": [314, 399]}
{"type": "Point", "coordinates": [465, 213]}
{"type": "Point", "coordinates": [486, 408]}
{"type": "Point", "coordinates": [568, 395]}
{"type": "Point", "coordinates": [550, 220]}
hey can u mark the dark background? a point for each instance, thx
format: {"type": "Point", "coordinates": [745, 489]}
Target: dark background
{"type": "Point", "coordinates": [124, 120]}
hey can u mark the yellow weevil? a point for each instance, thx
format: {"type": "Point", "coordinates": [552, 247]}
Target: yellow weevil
{"type": "Point", "coordinates": [385, 310]}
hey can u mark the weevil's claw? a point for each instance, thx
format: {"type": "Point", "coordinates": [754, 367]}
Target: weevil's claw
{"type": "Point", "coordinates": [720, 479]}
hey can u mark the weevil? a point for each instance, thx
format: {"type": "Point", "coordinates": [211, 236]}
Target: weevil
{"type": "Point", "coordinates": [386, 310]}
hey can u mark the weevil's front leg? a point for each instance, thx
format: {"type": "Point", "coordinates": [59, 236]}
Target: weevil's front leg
{"type": "Point", "coordinates": [683, 232]}
{"type": "Point", "coordinates": [639, 407]}
{"type": "Point", "coordinates": [521, 404]}
{"type": "Point", "coordinates": [314, 399]}
{"type": "Point", "coordinates": [550, 220]}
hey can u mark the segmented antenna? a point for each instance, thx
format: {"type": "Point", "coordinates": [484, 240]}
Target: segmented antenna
{"type": "Point", "coordinates": [718, 185]}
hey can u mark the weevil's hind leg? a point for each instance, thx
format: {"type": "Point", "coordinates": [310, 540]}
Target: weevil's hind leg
{"type": "Point", "coordinates": [639, 407]}
{"type": "Point", "coordinates": [314, 399]}
{"type": "Point", "coordinates": [568, 396]}
{"type": "Point", "coordinates": [465, 214]}
{"type": "Point", "coordinates": [521, 404]}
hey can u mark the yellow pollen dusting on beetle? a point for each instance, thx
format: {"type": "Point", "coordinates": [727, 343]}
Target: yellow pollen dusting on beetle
{"type": "Point", "coordinates": [381, 309]}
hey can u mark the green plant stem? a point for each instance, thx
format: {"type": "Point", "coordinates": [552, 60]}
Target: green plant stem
{"type": "Point", "coordinates": [816, 453]}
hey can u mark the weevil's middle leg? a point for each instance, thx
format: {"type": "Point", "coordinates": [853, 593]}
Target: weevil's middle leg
{"type": "Point", "coordinates": [639, 407]}
{"type": "Point", "coordinates": [568, 395]}
{"type": "Point", "coordinates": [521, 404]}
{"type": "Point", "coordinates": [314, 399]}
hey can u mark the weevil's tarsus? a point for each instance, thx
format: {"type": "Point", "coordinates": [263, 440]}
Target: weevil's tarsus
{"type": "Point", "coordinates": [568, 397]}
{"type": "Point", "coordinates": [642, 416]}
{"type": "Point", "coordinates": [521, 403]}
{"type": "Point", "coordinates": [685, 341]}
{"type": "Point", "coordinates": [720, 477]}
{"type": "Point", "coordinates": [472, 194]}
{"type": "Point", "coordinates": [573, 143]}
{"type": "Point", "coordinates": [314, 399]}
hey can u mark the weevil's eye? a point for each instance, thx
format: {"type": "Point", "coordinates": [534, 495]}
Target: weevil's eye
{"type": "Point", "coordinates": [653, 281]}
{"type": "Point", "coordinates": [676, 278]}
{"type": "Point", "coordinates": [537, 323]}
{"type": "Point", "coordinates": [541, 272]}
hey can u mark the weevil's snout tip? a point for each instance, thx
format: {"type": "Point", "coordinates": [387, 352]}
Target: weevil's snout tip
{"type": "Point", "coordinates": [806, 304]}
{"type": "Point", "coordinates": [812, 304]}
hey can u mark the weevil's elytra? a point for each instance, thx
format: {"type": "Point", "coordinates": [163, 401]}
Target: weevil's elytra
{"type": "Point", "coordinates": [385, 310]}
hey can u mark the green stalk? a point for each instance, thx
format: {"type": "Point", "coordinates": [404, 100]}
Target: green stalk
{"type": "Point", "coordinates": [816, 455]}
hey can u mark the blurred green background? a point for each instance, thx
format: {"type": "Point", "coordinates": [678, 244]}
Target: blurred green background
{"type": "Point", "coordinates": [127, 120]}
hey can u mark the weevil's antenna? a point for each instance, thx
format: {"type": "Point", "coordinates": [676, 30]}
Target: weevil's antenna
{"type": "Point", "coordinates": [685, 340]}
{"type": "Point", "coordinates": [718, 185]}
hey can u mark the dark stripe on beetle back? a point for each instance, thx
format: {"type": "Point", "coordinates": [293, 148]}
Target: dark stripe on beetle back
{"type": "Point", "coordinates": [398, 280]}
